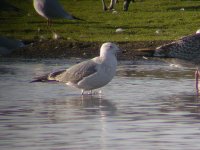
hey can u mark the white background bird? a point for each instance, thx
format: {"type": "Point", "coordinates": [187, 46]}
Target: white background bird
{"type": "Point", "coordinates": [90, 74]}
{"type": "Point", "coordinates": [51, 9]}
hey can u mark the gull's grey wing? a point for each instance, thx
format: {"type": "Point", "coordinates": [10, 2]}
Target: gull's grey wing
{"type": "Point", "coordinates": [77, 72]}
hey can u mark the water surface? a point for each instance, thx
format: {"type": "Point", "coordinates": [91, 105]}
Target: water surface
{"type": "Point", "coordinates": [149, 105]}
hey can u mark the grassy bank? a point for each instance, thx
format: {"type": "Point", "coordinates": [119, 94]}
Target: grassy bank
{"type": "Point", "coordinates": [170, 18]}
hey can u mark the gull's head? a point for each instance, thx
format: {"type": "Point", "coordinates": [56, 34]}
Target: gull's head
{"type": "Point", "coordinates": [109, 49]}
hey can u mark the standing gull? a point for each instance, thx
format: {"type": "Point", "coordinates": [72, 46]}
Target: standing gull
{"type": "Point", "coordinates": [90, 74]}
{"type": "Point", "coordinates": [186, 48]}
{"type": "Point", "coordinates": [51, 9]}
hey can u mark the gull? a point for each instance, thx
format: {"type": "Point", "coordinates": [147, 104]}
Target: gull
{"type": "Point", "coordinates": [90, 74]}
{"type": "Point", "coordinates": [51, 9]}
{"type": "Point", "coordinates": [187, 48]}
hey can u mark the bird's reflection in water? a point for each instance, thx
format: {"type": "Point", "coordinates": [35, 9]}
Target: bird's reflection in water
{"type": "Point", "coordinates": [75, 108]}
{"type": "Point", "coordinates": [183, 102]}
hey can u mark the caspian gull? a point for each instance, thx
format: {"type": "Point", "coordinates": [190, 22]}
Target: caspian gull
{"type": "Point", "coordinates": [90, 74]}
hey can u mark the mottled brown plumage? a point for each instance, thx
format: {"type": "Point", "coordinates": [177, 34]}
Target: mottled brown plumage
{"type": "Point", "coordinates": [186, 48]}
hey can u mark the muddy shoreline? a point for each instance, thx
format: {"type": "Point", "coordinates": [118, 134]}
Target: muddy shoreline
{"type": "Point", "coordinates": [64, 49]}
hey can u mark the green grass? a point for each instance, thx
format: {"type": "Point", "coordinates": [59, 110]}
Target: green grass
{"type": "Point", "coordinates": [140, 22]}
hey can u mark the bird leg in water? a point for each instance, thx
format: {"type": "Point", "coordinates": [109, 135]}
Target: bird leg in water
{"type": "Point", "coordinates": [82, 92]}
{"type": "Point", "coordinates": [197, 80]}
{"type": "Point", "coordinates": [89, 93]}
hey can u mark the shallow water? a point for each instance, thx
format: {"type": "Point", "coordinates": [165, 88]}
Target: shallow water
{"type": "Point", "coordinates": [149, 105]}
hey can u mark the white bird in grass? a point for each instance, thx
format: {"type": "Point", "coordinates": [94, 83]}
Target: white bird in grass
{"type": "Point", "coordinates": [90, 74]}
{"type": "Point", "coordinates": [186, 48]}
{"type": "Point", "coordinates": [51, 9]}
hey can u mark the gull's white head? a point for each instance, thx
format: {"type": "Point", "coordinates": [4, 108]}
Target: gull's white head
{"type": "Point", "coordinates": [109, 49]}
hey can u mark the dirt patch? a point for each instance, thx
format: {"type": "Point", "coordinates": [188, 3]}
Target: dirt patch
{"type": "Point", "coordinates": [65, 49]}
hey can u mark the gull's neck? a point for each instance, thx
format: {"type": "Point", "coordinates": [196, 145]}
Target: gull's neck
{"type": "Point", "coordinates": [107, 56]}
{"type": "Point", "coordinates": [109, 60]}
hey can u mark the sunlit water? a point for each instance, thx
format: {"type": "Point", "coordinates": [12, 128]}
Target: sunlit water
{"type": "Point", "coordinates": [149, 105]}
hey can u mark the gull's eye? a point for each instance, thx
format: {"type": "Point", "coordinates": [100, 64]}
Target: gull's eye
{"type": "Point", "coordinates": [110, 46]}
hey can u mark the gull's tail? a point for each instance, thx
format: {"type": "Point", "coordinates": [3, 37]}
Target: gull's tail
{"type": "Point", "coordinates": [49, 77]}
{"type": "Point", "coordinates": [43, 78]}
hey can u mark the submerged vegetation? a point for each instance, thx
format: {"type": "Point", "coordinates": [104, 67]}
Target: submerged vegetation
{"type": "Point", "coordinates": [146, 20]}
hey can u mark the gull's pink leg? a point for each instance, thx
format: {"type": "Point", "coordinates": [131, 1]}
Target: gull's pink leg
{"type": "Point", "coordinates": [82, 92]}
{"type": "Point", "coordinates": [91, 92]}
{"type": "Point", "coordinates": [197, 80]}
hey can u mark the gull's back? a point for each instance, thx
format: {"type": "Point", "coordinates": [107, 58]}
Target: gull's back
{"type": "Point", "coordinates": [187, 48]}
{"type": "Point", "coordinates": [51, 9]}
